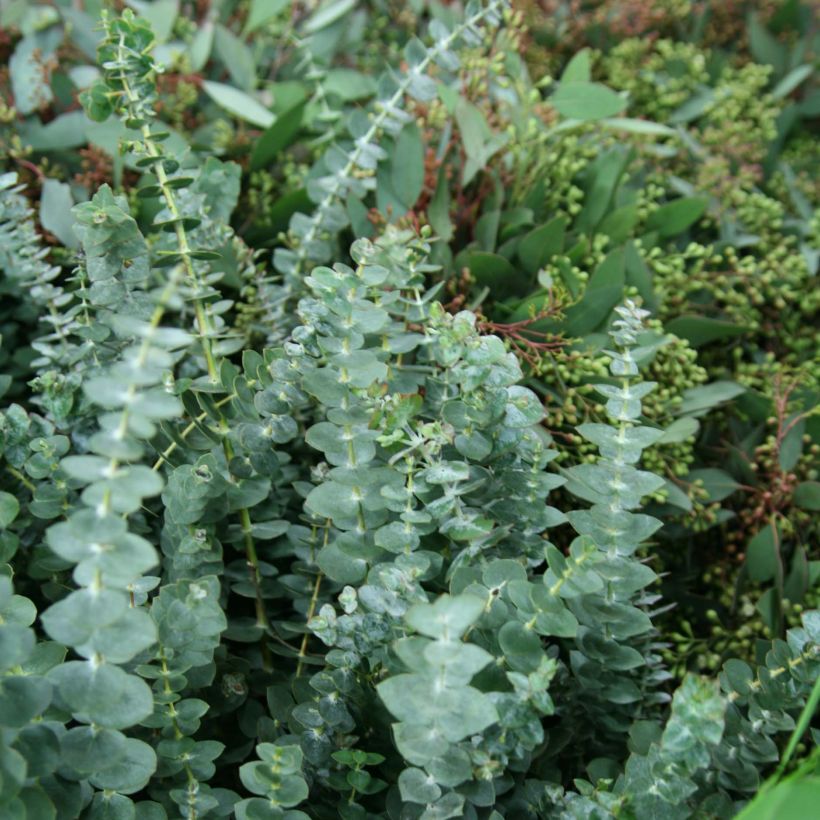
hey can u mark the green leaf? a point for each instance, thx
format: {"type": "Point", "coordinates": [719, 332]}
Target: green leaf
{"type": "Point", "coordinates": [501, 572]}
{"type": "Point", "coordinates": [258, 808]}
{"type": "Point", "coordinates": [765, 47]}
{"type": "Point", "coordinates": [261, 12]}
{"type": "Point", "coordinates": [449, 805]}
{"type": "Point", "coordinates": [102, 549]}
{"type": "Point", "coordinates": [417, 743]}
{"type": "Point", "coordinates": [700, 330]}
{"type": "Point", "coordinates": [238, 103]}
{"type": "Point", "coordinates": [717, 483]}
{"type": "Point", "coordinates": [387, 201]}
{"type": "Point", "coordinates": [523, 409]}
{"type": "Point", "coordinates": [680, 430]}
{"type": "Point", "coordinates": [495, 272]}
{"type": "Point", "coordinates": [9, 508]}
{"type": "Point", "coordinates": [360, 368]}
{"type": "Point", "coordinates": [202, 45]}
{"type": "Point", "coordinates": [474, 130]}
{"type": "Point", "coordinates": [793, 799]}
{"type": "Point", "coordinates": [624, 443]}
{"type": "Point", "coordinates": [738, 676]}
{"type": "Point", "coordinates": [446, 619]}
{"type": "Point", "coordinates": [111, 806]}
{"type": "Point", "coordinates": [695, 107]}
{"type": "Point", "coordinates": [611, 653]}
{"type": "Point", "coordinates": [236, 57]}
{"type": "Point", "coordinates": [610, 273]}
{"type": "Point", "coordinates": [643, 127]}
{"type": "Point", "coordinates": [16, 643]}
{"type": "Point", "coordinates": [603, 176]}
{"type": "Point", "coordinates": [619, 224]}
{"type": "Point", "coordinates": [277, 137]}
{"type": "Point", "coordinates": [447, 472]}
{"type": "Point", "coordinates": [284, 789]}
{"type": "Point", "coordinates": [328, 13]}
{"type": "Point", "coordinates": [15, 609]}
{"type": "Point", "coordinates": [349, 84]}
{"type": "Point", "coordinates": [64, 132]}
{"type": "Point", "coordinates": [538, 246]}
{"type": "Point", "coordinates": [46, 655]}
{"type": "Point", "coordinates": [554, 618]}
{"type": "Point", "coordinates": [452, 769]}
{"type": "Point", "coordinates": [699, 399]}
{"type": "Point", "coordinates": [100, 621]}
{"type": "Point", "coordinates": [799, 581]}
{"type": "Point", "coordinates": [438, 211]}
{"type": "Point", "coordinates": [90, 750]}
{"type": "Point", "coordinates": [763, 554]}
{"type": "Point", "coordinates": [132, 772]}
{"type": "Point", "coordinates": [791, 447]}
{"type": "Point", "coordinates": [807, 495]}
{"type": "Point", "coordinates": [407, 166]}
{"type": "Point", "coordinates": [29, 72]}
{"type": "Point", "coordinates": [40, 747]}
{"type": "Point", "coordinates": [675, 217]}
{"type": "Point", "coordinates": [521, 646]}
{"type": "Point", "coordinates": [415, 786]}
{"type": "Point", "coordinates": [286, 758]}
{"type": "Point", "coordinates": [343, 448]}
{"type": "Point", "coordinates": [398, 537]}
{"type": "Point", "coordinates": [479, 141]}
{"type": "Point", "coordinates": [455, 663]}
{"type": "Point", "coordinates": [791, 81]}
{"type": "Point", "coordinates": [340, 566]}
{"type": "Point", "coordinates": [22, 698]}
{"type": "Point", "coordinates": [452, 713]}
{"type": "Point", "coordinates": [586, 101]}
{"type": "Point", "coordinates": [160, 14]}
{"type": "Point", "coordinates": [104, 694]}
{"type": "Point", "coordinates": [606, 479]}
{"type": "Point", "coordinates": [84, 32]}
{"type": "Point", "coordinates": [579, 68]}
{"type": "Point", "coordinates": [677, 497]}
{"type": "Point", "coordinates": [604, 291]}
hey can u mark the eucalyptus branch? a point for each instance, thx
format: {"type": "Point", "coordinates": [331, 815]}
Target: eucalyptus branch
{"type": "Point", "coordinates": [351, 171]}
{"type": "Point", "coordinates": [129, 91]}
{"type": "Point", "coordinates": [23, 260]}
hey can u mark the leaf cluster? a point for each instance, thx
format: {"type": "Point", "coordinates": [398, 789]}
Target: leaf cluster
{"type": "Point", "coordinates": [353, 446]}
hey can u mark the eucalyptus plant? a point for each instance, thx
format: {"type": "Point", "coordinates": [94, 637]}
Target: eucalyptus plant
{"type": "Point", "coordinates": [348, 170]}
{"type": "Point", "coordinates": [333, 564]}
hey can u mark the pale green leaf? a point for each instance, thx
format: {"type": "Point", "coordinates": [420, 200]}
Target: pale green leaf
{"type": "Point", "coordinates": [580, 100]}
{"type": "Point", "coordinates": [238, 103]}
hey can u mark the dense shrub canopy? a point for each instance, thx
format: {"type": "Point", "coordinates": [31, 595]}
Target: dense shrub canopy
{"type": "Point", "coordinates": [409, 410]}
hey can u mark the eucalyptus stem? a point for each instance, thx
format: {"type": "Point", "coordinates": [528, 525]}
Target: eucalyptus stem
{"type": "Point", "coordinates": [144, 351]}
{"type": "Point", "coordinates": [166, 453]}
{"type": "Point", "coordinates": [153, 151]}
{"type": "Point", "coordinates": [21, 478]}
{"type": "Point", "coordinates": [309, 232]}
{"type": "Point", "coordinates": [206, 331]}
{"type": "Point", "coordinates": [314, 598]}
{"type": "Point", "coordinates": [178, 734]}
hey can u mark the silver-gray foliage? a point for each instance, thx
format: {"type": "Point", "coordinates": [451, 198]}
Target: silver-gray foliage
{"type": "Point", "coordinates": [319, 580]}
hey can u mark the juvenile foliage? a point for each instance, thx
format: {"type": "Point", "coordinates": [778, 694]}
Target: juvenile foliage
{"type": "Point", "coordinates": [392, 522]}
{"type": "Point", "coordinates": [347, 171]}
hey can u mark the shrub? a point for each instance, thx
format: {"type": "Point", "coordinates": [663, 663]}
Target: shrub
{"type": "Point", "coordinates": [388, 522]}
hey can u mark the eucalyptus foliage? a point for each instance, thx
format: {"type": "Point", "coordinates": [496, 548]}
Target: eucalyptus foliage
{"type": "Point", "coordinates": [346, 571]}
{"type": "Point", "coordinates": [349, 170]}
